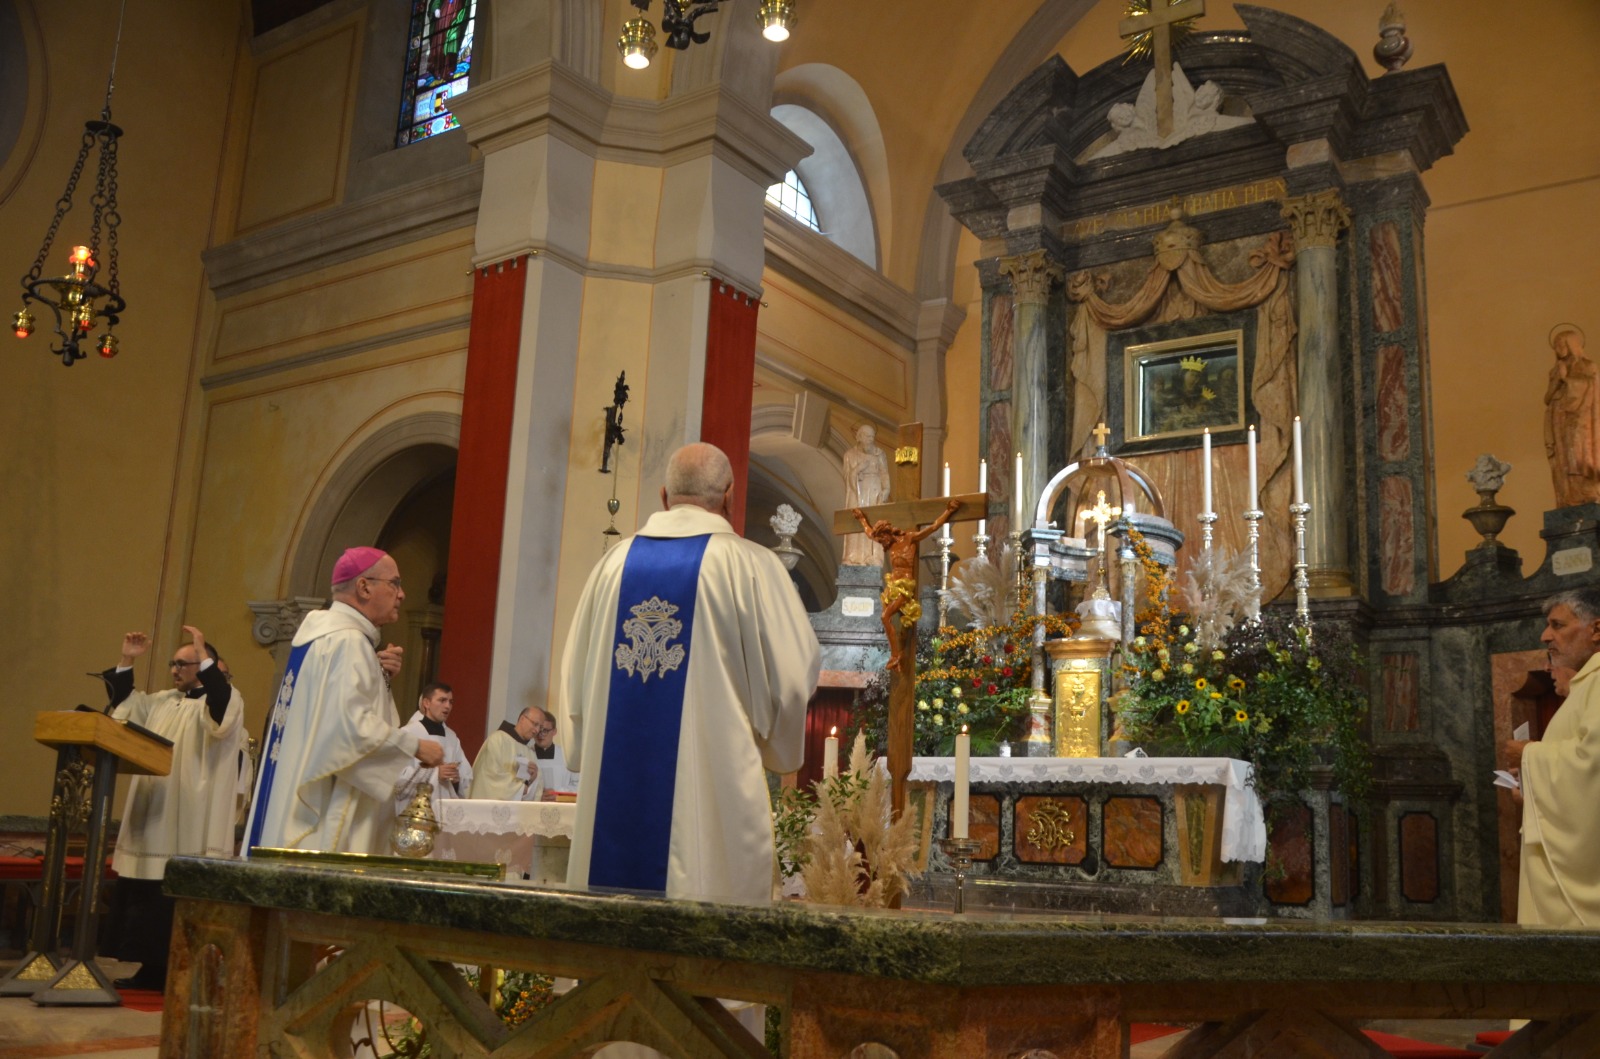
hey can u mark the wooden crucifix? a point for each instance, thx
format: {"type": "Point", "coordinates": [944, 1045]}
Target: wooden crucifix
{"type": "Point", "coordinates": [900, 526]}
{"type": "Point", "coordinates": [1159, 22]}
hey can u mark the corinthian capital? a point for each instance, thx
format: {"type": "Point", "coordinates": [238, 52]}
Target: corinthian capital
{"type": "Point", "coordinates": [1032, 275]}
{"type": "Point", "coordinates": [277, 619]}
{"type": "Point", "coordinates": [1316, 219]}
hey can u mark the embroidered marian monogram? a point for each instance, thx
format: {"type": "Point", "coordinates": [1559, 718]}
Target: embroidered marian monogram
{"type": "Point", "coordinates": [651, 629]}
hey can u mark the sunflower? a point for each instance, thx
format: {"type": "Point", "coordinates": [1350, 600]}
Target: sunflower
{"type": "Point", "coordinates": [1235, 684]}
{"type": "Point", "coordinates": [1183, 706]}
{"type": "Point", "coordinates": [1200, 683]}
{"type": "Point", "coordinates": [1241, 717]}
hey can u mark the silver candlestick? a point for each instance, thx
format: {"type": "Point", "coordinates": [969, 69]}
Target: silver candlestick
{"type": "Point", "coordinates": [1302, 583]}
{"type": "Point", "coordinates": [960, 851]}
{"type": "Point", "coordinates": [1207, 520]}
{"type": "Point", "coordinates": [1253, 542]}
{"type": "Point", "coordinates": [945, 540]}
{"type": "Point", "coordinates": [1019, 575]}
{"type": "Point", "coordinates": [980, 541]}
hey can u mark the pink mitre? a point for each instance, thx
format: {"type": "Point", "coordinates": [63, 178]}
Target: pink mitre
{"type": "Point", "coordinates": [355, 562]}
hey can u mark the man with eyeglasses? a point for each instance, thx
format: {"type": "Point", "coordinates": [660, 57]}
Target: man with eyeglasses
{"type": "Point", "coordinates": [552, 759]}
{"type": "Point", "coordinates": [334, 748]}
{"type": "Point", "coordinates": [188, 811]}
{"type": "Point", "coordinates": [505, 770]}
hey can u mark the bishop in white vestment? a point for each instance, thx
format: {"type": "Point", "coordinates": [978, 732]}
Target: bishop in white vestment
{"type": "Point", "coordinates": [687, 672]}
{"type": "Point", "coordinates": [335, 749]}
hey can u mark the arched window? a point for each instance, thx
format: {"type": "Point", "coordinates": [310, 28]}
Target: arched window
{"type": "Point", "coordinates": [791, 197]}
{"type": "Point", "coordinates": [438, 60]}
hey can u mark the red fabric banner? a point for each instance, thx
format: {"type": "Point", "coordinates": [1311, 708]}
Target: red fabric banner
{"type": "Point", "coordinates": [488, 404]}
{"type": "Point", "coordinates": [729, 382]}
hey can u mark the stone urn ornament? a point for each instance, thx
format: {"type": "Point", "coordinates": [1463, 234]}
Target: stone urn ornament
{"type": "Point", "coordinates": [1488, 477]}
{"type": "Point", "coordinates": [415, 827]}
{"type": "Point", "coordinates": [1393, 49]}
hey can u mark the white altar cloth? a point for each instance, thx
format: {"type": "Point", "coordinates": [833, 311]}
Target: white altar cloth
{"type": "Point", "coordinates": [532, 837]}
{"type": "Point", "coordinates": [1244, 829]}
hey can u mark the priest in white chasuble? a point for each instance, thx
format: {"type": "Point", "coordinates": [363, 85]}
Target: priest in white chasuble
{"type": "Point", "coordinates": [688, 669]}
{"type": "Point", "coordinates": [1560, 873]}
{"type": "Point", "coordinates": [334, 748]}
{"type": "Point", "coordinates": [188, 811]}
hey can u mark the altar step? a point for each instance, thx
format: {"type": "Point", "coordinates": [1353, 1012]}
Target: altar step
{"type": "Point", "coordinates": [936, 890]}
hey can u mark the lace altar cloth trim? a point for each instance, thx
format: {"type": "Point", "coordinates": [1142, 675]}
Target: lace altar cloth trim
{"type": "Point", "coordinates": [482, 817]}
{"type": "Point", "coordinates": [1244, 831]}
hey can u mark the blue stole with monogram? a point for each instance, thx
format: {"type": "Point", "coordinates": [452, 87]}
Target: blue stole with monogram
{"type": "Point", "coordinates": [644, 711]}
{"type": "Point", "coordinates": [270, 749]}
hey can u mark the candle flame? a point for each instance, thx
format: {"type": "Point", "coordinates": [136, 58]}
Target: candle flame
{"type": "Point", "coordinates": [834, 730]}
{"type": "Point", "coordinates": [963, 729]}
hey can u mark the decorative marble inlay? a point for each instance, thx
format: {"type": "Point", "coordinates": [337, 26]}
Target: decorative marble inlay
{"type": "Point", "coordinates": [1032, 275]}
{"type": "Point", "coordinates": [1419, 857]}
{"type": "Point", "coordinates": [1388, 312]}
{"type": "Point", "coordinates": [1002, 331]}
{"type": "Point", "coordinates": [1316, 219]}
{"type": "Point", "coordinates": [1338, 857]}
{"type": "Point", "coordinates": [1396, 536]}
{"type": "Point", "coordinates": [1291, 840]}
{"type": "Point", "coordinates": [984, 824]}
{"type": "Point", "coordinates": [1401, 696]}
{"type": "Point", "coordinates": [1132, 832]}
{"type": "Point", "coordinates": [1394, 405]}
{"type": "Point", "coordinates": [1039, 836]}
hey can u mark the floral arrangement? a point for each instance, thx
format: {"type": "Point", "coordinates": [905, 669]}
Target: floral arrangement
{"type": "Point", "coordinates": [1267, 691]}
{"type": "Point", "coordinates": [840, 840]}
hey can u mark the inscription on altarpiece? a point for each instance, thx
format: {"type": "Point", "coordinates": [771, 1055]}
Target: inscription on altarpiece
{"type": "Point", "coordinates": [1195, 204]}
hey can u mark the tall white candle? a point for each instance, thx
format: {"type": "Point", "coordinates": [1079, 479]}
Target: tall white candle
{"type": "Point", "coordinates": [983, 487]}
{"type": "Point", "coordinates": [1255, 495]}
{"type": "Point", "coordinates": [1205, 464]}
{"type": "Point", "coordinates": [958, 802]}
{"type": "Point", "coordinates": [1299, 464]}
{"type": "Point", "coordinates": [944, 534]}
{"type": "Point", "coordinates": [1016, 508]}
{"type": "Point", "coordinates": [830, 754]}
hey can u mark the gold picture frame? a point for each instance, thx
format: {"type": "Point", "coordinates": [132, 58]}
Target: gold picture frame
{"type": "Point", "coordinates": [1179, 387]}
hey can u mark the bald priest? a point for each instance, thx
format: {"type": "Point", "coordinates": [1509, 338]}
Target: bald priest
{"type": "Point", "coordinates": [334, 748]}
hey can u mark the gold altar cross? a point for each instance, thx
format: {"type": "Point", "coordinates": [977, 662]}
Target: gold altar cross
{"type": "Point", "coordinates": [1159, 22]}
{"type": "Point", "coordinates": [902, 585]}
{"type": "Point", "coordinates": [1102, 515]}
{"type": "Point", "coordinates": [1100, 433]}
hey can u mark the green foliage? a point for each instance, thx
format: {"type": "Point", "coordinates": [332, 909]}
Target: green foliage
{"type": "Point", "coordinates": [1272, 693]}
{"type": "Point", "coordinates": [981, 678]}
{"type": "Point", "coordinates": [518, 995]}
{"type": "Point", "coordinates": [794, 810]}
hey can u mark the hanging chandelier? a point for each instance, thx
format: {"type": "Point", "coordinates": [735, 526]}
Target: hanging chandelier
{"type": "Point", "coordinates": [78, 298]}
{"type": "Point", "coordinates": [638, 40]}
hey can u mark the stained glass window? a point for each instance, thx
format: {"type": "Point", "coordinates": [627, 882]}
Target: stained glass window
{"type": "Point", "coordinates": [791, 197]}
{"type": "Point", "coordinates": [438, 59]}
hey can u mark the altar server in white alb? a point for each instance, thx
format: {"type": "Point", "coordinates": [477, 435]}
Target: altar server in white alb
{"type": "Point", "coordinates": [453, 778]}
{"type": "Point", "coordinates": [688, 669]}
{"type": "Point", "coordinates": [334, 748]}
{"type": "Point", "coordinates": [188, 811]}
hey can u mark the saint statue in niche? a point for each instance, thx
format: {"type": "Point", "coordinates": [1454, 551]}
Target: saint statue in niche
{"type": "Point", "coordinates": [1572, 419]}
{"type": "Point", "coordinates": [866, 482]}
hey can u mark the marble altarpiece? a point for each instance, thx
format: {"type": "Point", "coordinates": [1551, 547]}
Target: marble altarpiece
{"type": "Point", "coordinates": [1297, 222]}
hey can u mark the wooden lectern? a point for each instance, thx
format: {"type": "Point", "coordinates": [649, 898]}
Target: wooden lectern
{"type": "Point", "coordinates": [90, 747]}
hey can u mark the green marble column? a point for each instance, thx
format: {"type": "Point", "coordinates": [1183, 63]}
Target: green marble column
{"type": "Point", "coordinates": [1032, 276]}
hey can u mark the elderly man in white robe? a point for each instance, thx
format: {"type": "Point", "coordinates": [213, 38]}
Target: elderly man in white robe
{"type": "Point", "coordinates": [687, 671]}
{"type": "Point", "coordinates": [1560, 871]}
{"type": "Point", "coordinates": [188, 811]}
{"type": "Point", "coordinates": [506, 770]}
{"type": "Point", "coordinates": [334, 748]}
{"type": "Point", "coordinates": [452, 779]}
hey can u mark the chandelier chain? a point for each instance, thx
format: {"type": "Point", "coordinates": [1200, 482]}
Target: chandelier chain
{"type": "Point", "coordinates": [112, 217]}
{"type": "Point", "coordinates": [111, 78]}
{"type": "Point", "coordinates": [63, 204]}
